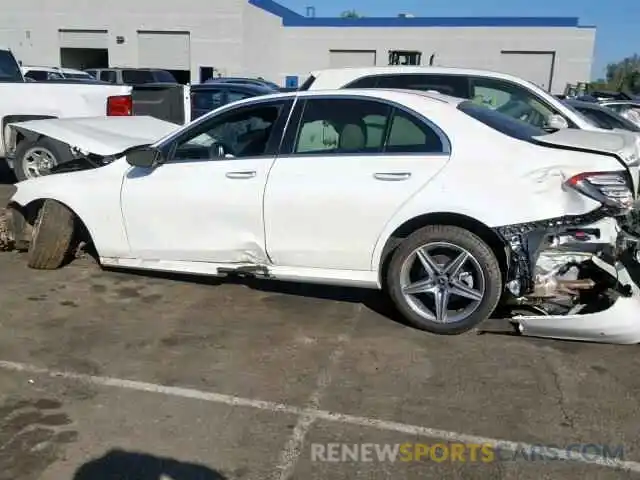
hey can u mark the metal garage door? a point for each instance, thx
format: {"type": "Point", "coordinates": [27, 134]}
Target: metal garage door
{"type": "Point", "coordinates": [537, 67]}
{"type": "Point", "coordinates": [352, 58]}
{"type": "Point", "coordinates": [83, 39]}
{"type": "Point", "coordinates": [168, 50]}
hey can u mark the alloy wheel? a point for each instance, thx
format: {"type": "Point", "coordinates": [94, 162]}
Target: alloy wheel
{"type": "Point", "coordinates": [442, 282]}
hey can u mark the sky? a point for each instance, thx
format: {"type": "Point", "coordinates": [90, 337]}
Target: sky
{"type": "Point", "coordinates": [617, 21]}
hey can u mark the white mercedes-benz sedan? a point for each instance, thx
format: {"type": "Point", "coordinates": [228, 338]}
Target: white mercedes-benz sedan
{"type": "Point", "coordinates": [456, 211]}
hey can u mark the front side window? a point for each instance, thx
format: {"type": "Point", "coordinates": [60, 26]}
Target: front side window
{"type": "Point", "coordinates": [512, 100]}
{"type": "Point", "coordinates": [236, 134]}
{"type": "Point", "coordinates": [341, 126]}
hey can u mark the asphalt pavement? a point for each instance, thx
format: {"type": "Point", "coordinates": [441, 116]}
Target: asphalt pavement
{"type": "Point", "coordinates": [107, 374]}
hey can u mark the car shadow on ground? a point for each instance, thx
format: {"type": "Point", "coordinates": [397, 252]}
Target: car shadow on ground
{"type": "Point", "coordinates": [120, 464]}
{"type": "Point", "coordinates": [374, 300]}
{"type": "Point", "coordinates": [7, 176]}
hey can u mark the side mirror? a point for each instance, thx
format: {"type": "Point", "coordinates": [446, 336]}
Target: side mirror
{"type": "Point", "coordinates": [557, 122]}
{"type": "Point", "coordinates": [144, 157]}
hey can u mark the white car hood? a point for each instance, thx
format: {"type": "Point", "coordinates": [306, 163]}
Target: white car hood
{"type": "Point", "coordinates": [105, 136]}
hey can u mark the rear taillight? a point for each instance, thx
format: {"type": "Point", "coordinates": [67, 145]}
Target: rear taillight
{"type": "Point", "coordinates": [119, 106]}
{"type": "Point", "coordinates": [610, 188]}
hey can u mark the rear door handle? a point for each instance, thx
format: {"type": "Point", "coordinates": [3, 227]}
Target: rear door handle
{"type": "Point", "coordinates": [240, 175]}
{"type": "Point", "coordinates": [392, 176]}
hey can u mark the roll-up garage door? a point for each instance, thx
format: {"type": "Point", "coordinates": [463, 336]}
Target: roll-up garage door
{"type": "Point", "coordinates": [537, 67]}
{"type": "Point", "coordinates": [83, 39]}
{"type": "Point", "coordinates": [352, 58]}
{"type": "Point", "coordinates": [167, 50]}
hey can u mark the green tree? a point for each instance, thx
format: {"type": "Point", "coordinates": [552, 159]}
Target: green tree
{"type": "Point", "coordinates": [625, 74]}
{"type": "Point", "coordinates": [350, 14]}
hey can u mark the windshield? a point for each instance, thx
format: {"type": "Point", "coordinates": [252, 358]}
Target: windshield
{"type": "Point", "coordinates": [504, 124]}
{"type": "Point", "coordinates": [9, 69]}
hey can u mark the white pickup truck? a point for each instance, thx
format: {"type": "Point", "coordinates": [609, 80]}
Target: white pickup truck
{"type": "Point", "coordinates": [22, 101]}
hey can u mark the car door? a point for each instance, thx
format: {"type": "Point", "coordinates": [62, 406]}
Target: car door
{"type": "Point", "coordinates": [345, 167]}
{"type": "Point", "coordinates": [204, 204]}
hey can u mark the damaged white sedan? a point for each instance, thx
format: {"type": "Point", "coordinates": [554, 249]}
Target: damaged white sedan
{"type": "Point", "coordinates": [456, 211]}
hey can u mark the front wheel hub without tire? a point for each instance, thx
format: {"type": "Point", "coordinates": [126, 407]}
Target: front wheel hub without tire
{"type": "Point", "coordinates": [38, 161]}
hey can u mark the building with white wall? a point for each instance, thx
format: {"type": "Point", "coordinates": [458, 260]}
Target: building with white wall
{"type": "Point", "coordinates": [263, 38]}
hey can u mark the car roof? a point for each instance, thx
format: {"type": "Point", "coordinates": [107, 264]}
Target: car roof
{"type": "Point", "coordinates": [352, 73]}
{"type": "Point", "coordinates": [385, 93]}
{"type": "Point", "coordinates": [259, 88]}
{"type": "Point", "coordinates": [51, 69]}
{"type": "Point", "coordinates": [620, 102]}
{"type": "Point", "coordinates": [584, 104]}
{"type": "Point", "coordinates": [44, 69]}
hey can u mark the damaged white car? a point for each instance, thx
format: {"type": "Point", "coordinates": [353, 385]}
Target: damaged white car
{"type": "Point", "coordinates": [456, 211]}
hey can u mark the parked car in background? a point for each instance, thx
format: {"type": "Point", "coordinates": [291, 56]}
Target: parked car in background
{"type": "Point", "coordinates": [43, 74]}
{"type": "Point", "coordinates": [505, 93]}
{"type": "Point", "coordinates": [629, 109]}
{"type": "Point", "coordinates": [31, 155]}
{"type": "Point", "coordinates": [347, 188]}
{"type": "Point", "coordinates": [180, 104]}
{"type": "Point", "coordinates": [131, 76]}
{"type": "Point", "coordinates": [603, 117]}
{"type": "Point", "coordinates": [244, 81]}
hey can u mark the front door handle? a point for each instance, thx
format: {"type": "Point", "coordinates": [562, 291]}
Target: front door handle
{"type": "Point", "coordinates": [392, 176]}
{"type": "Point", "coordinates": [240, 175]}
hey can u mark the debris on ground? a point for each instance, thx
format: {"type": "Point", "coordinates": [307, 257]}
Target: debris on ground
{"type": "Point", "coordinates": [6, 244]}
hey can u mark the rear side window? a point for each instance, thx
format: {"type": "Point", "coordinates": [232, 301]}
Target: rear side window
{"type": "Point", "coordinates": [208, 100]}
{"type": "Point", "coordinates": [365, 82]}
{"type": "Point", "coordinates": [410, 135]}
{"type": "Point", "coordinates": [162, 76]}
{"type": "Point", "coordinates": [504, 124]}
{"type": "Point", "coordinates": [137, 77]}
{"type": "Point", "coordinates": [341, 126]}
{"type": "Point", "coordinates": [108, 76]}
{"type": "Point", "coordinates": [234, 96]}
{"type": "Point", "coordinates": [37, 75]}
{"type": "Point", "coordinates": [454, 85]}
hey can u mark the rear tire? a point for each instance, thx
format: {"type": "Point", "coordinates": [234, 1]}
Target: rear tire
{"type": "Point", "coordinates": [52, 237]}
{"type": "Point", "coordinates": [469, 291]}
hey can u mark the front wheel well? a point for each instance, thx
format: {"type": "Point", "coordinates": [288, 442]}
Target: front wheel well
{"type": "Point", "coordinates": [30, 213]}
{"type": "Point", "coordinates": [489, 236]}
